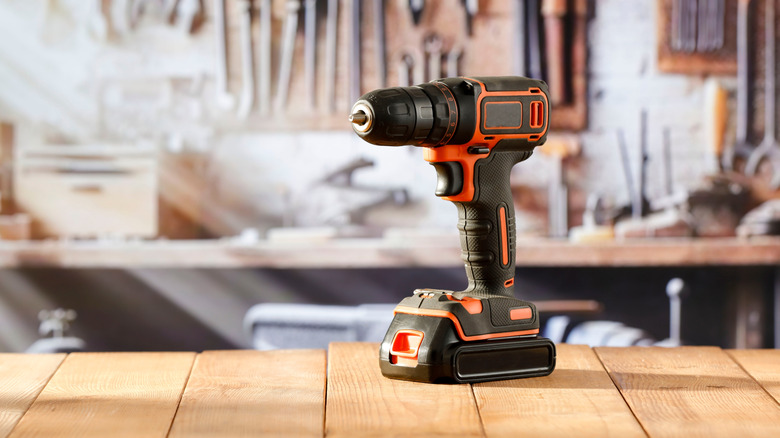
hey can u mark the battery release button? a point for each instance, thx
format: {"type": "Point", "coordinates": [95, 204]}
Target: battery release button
{"type": "Point", "coordinates": [405, 347]}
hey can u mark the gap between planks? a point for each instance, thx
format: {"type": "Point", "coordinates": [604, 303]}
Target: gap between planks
{"type": "Point", "coordinates": [690, 391]}
{"type": "Point", "coordinates": [22, 378]}
{"type": "Point", "coordinates": [109, 394]}
{"type": "Point", "coordinates": [254, 393]}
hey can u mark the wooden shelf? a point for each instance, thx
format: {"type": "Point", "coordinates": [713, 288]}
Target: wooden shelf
{"type": "Point", "coordinates": [367, 253]}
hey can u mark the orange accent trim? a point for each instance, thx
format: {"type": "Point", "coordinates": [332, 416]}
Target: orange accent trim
{"type": "Point", "coordinates": [520, 313]}
{"type": "Point", "coordinates": [536, 119]}
{"type": "Point", "coordinates": [504, 238]}
{"type": "Point", "coordinates": [485, 127]}
{"type": "Point", "coordinates": [444, 314]}
{"type": "Point", "coordinates": [459, 153]}
{"type": "Point", "coordinates": [472, 305]}
{"type": "Point", "coordinates": [509, 282]}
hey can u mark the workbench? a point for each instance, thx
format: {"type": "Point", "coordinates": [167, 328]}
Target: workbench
{"type": "Point", "coordinates": [625, 392]}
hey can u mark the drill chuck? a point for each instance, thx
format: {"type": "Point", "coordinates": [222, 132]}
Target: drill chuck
{"type": "Point", "coordinates": [421, 115]}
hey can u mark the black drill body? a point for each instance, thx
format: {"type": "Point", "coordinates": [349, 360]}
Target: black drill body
{"type": "Point", "coordinates": [473, 130]}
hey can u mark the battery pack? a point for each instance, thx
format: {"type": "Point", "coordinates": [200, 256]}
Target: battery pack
{"type": "Point", "coordinates": [438, 337]}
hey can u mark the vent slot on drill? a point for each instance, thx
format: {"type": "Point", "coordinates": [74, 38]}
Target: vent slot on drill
{"type": "Point", "coordinates": [536, 114]}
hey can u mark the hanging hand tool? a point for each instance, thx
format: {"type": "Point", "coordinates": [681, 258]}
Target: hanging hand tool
{"type": "Point", "coordinates": [473, 131]}
{"type": "Point", "coordinates": [247, 64]}
{"type": "Point", "coordinates": [453, 60]}
{"type": "Point", "coordinates": [769, 148]}
{"type": "Point", "coordinates": [379, 41]}
{"type": "Point", "coordinates": [225, 100]}
{"type": "Point", "coordinates": [534, 40]}
{"type": "Point", "coordinates": [354, 51]}
{"type": "Point", "coordinates": [310, 50]}
{"type": "Point", "coordinates": [716, 116]}
{"type": "Point", "coordinates": [520, 27]}
{"type": "Point", "coordinates": [554, 12]}
{"type": "Point", "coordinates": [331, 30]}
{"type": "Point", "coordinates": [416, 8]}
{"type": "Point", "coordinates": [472, 8]}
{"type": "Point", "coordinates": [405, 70]}
{"type": "Point", "coordinates": [265, 57]}
{"type": "Point", "coordinates": [742, 146]}
{"type": "Point", "coordinates": [558, 190]}
{"type": "Point", "coordinates": [288, 50]}
{"type": "Point", "coordinates": [433, 47]}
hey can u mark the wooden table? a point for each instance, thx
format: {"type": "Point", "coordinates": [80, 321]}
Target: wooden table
{"type": "Point", "coordinates": [623, 392]}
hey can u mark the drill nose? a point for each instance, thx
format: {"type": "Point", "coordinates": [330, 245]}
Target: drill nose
{"type": "Point", "coordinates": [361, 117]}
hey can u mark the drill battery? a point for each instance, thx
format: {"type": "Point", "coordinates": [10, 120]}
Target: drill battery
{"type": "Point", "coordinates": [442, 336]}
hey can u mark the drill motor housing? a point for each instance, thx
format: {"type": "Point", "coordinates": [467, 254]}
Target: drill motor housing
{"type": "Point", "coordinates": [473, 130]}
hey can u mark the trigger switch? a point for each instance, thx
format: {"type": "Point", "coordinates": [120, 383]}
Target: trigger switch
{"type": "Point", "coordinates": [449, 178]}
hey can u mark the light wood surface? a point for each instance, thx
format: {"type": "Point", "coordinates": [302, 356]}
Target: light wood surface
{"type": "Point", "coordinates": [577, 399]}
{"type": "Point", "coordinates": [375, 252]}
{"type": "Point", "coordinates": [22, 377]}
{"type": "Point", "coordinates": [361, 402]}
{"type": "Point", "coordinates": [621, 392]}
{"type": "Point", "coordinates": [109, 395]}
{"type": "Point", "coordinates": [762, 365]}
{"type": "Point", "coordinates": [254, 393]}
{"type": "Point", "coordinates": [690, 391]}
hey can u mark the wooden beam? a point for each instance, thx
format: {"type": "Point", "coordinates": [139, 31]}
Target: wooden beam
{"type": "Point", "coordinates": [577, 399]}
{"type": "Point", "coordinates": [22, 377]}
{"type": "Point", "coordinates": [362, 402]}
{"type": "Point", "coordinates": [254, 393]}
{"type": "Point", "coordinates": [109, 395]}
{"type": "Point", "coordinates": [690, 391]}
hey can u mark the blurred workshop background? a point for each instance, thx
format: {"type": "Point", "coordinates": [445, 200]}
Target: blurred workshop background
{"type": "Point", "coordinates": [181, 174]}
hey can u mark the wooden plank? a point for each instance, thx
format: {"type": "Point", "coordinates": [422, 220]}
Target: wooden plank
{"type": "Point", "coordinates": [763, 365]}
{"type": "Point", "coordinates": [254, 393]}
{"type": "Point", "coordinates": [690, 391]}
{"type": "Point", "coordinates": [362, 402]}
{"type": "Point", "coordinates": [109, 394]}
{"type": "Point", "coordinates": [22, 377]}
{"type": "Point", "coordinates": [577, 399]}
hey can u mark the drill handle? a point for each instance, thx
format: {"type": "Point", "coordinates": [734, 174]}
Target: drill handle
{"type": "Point", "coordinates": [487, 227]}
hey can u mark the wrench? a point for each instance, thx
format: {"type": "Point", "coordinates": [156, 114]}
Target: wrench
{"type": "Point", "coordinates": [331, 28]}
{"type": "Point", "coordinates": [225, 100]}
{"type": "Point", "coordinates": [519, 36]}
{"type": "Point", "coordinates": [742, 147]}
{"type": "Point", "coordinates": [288, 50]}
{"type": "Point", "coordinates": [247, 71]}
{"type": "Point", "coordinates": [405, 70]}
{"type": "Point", "coordinates": [354, 51]}
{"type": "Point", "coordinates": [310, 49]}
{"type": "Point", "coordinates": [265, 57]}
{"type": "Point", "coordinates": [379, 38]}
{"type": "Point", "coordinates": [433, 47]}
{"type": "Point", "coordinates": [453, 58]}
{"type": "Point", "coordinates": [769, 147]}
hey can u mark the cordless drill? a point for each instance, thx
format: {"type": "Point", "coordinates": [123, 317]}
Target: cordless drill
{"type": "Point", "coordinates": [474, 130]}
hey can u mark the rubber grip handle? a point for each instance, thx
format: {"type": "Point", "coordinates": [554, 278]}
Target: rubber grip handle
{"type": "Point", "coordinates": [487, 227]}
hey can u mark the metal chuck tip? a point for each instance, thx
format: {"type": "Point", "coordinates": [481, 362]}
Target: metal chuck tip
{"type": "Point", "coordinates": [358, 118]}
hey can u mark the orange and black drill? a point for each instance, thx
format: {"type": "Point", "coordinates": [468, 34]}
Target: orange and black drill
{"type": "Point", "coordinates": [474, 130]}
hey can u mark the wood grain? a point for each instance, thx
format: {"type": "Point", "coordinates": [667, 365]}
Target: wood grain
{"type": "Point", "coordinates": [22, 377]}
{"type": "Point", "coordinates": [763, 365]}
{"type": "Point", "coordinates": [690, 391]}
{"type": "Point", "coordinates": [362, 402]}
{"type": "Point", "coordinates": [109, 395]}
{"type": "Point", "coordinates": [577, 399]}
{"type": "Point", "coordinates": [254, 393]}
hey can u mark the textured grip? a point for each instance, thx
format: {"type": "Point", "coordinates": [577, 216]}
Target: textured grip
{"type": "Point", "coordinates": [487, 227]}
